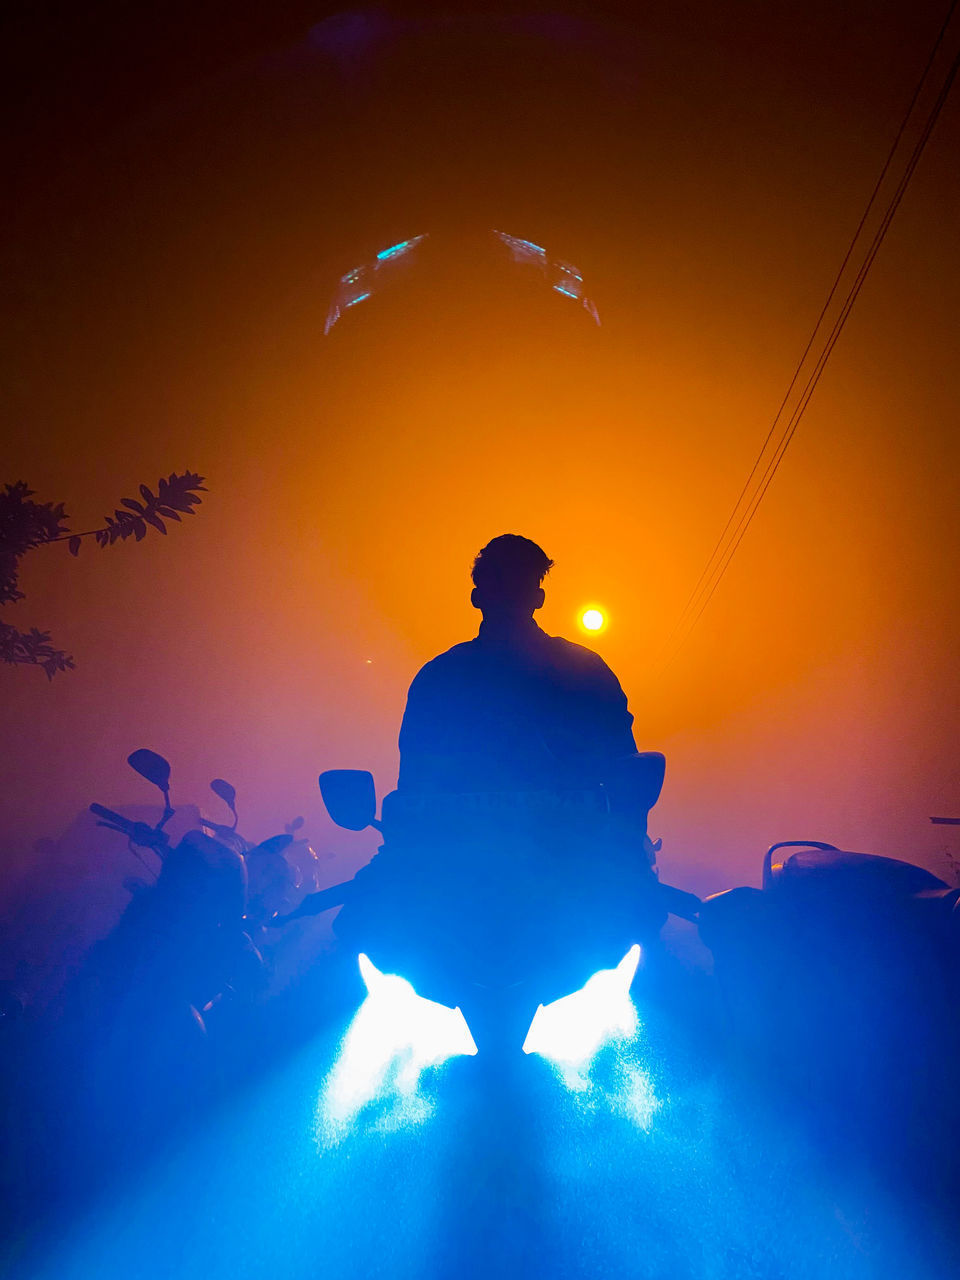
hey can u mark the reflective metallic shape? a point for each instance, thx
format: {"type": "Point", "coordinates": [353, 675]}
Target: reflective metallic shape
{"type": "Point", "coordinates": [362, 282]}
{"type": "Point", "coordinates": [395, 250]}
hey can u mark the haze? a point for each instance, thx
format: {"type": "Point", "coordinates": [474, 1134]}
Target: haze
{"type": "Point", "coordinates": [174, 245]}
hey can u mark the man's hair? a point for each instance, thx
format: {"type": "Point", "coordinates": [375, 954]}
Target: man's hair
{"type": "Point", "coordinates": [510, 568]}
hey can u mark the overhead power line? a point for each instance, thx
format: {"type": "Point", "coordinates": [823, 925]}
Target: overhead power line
{"type": "Point", "coordinates": [751, 495]}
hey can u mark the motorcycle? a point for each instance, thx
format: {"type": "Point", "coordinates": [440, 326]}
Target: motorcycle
{"type": "Point", "coordinates": [188, 938]}
{"type": "Point", "coordinates": [839, 979]}
{"type": "Point", "coordinates": [499, 905]}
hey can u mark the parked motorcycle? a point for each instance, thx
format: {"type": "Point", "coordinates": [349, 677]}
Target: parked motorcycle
{"type": "Point", "coordinates": [841, 983]}
{"type": "Point", "coordinates": [181, 940]}
{"type": "Point", "coordinates": [189, 937]}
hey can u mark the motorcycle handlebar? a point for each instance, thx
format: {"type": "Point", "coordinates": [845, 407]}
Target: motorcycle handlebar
{"type": "Point", "coordinates": [680, 903]}
{"type": "Point", "coordinates": [138, 832]}
{"type": "Point", "coordinates": [110, 815]}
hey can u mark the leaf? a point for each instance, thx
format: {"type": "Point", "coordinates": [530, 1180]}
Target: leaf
{"type": "Point", "coordinates": [176, 496]}
{"type": "Point", "coordinates": [32, 648]}
{"type": "Point", "coordinates": [73, 546]}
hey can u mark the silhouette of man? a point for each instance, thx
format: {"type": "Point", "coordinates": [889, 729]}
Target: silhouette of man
{"type": "Point", "coordinates": [513, 710]}
{"type": "Point", "coordinates": [517, 785]}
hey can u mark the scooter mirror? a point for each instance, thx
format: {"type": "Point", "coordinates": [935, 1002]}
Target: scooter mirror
{"type": "Point", "coordinates": [151, 766]}
{"type": "Point", "coordinates": [226, 792]}
{"type": "Point", "coordinates": [350, 797]}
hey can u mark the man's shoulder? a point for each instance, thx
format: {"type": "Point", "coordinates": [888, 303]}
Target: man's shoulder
{"type": "Point", "coordinates": [575, 654]}
{"type": "Point", "coordinates": [579, 663]}
{"type": "Point", "coordinates": [450, 660]}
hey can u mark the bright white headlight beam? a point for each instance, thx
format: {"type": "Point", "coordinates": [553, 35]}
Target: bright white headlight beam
{"type": "Point", "coordinates": [572, 1030]}
{"type": "Point", "coordinates": [394, 1037]}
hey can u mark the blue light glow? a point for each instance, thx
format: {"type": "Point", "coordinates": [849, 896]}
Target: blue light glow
{"type": "Point", "coordinates": [571, 1031]}
{"type": "Point", "coordinates": [394, 1037]}
{"type": "Point", "coordinates": [361, 282]}
{"type": "Point", "coordinates": [569, 269]}
{"type": "Point", "coordinates": [523, 250]}
{"type": "Point", "coordinates": [395, 250]}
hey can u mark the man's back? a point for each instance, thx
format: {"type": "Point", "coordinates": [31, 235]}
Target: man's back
{"type": "Point", "coordinates": [513, 710]}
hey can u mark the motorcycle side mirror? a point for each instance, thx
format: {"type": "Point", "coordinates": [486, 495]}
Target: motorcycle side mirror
{"type": "Point", "coordinates": [228, 794]}
{"type": "Point", "coordinates": [151, 766]}
{"type": "Point", "coordinates": [155, 769]}
{"type": "Point", "coordinates": [639, 778]}
{"type": "Point", "coordinates": [350, 797]}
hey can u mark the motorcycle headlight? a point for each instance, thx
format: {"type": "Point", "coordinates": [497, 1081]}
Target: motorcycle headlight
{"type": "Point", "coordinates": [572, 1030]}
{"type": "Point", "coordinates": [394, 1037]}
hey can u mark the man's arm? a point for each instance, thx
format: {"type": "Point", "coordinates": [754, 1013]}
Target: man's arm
{"type": "Point", "coordinates": [612, 722]}
{"type": "Point", "coordinates": [421, 754]}
{"type": "Point", "coordinates": [315, 903]}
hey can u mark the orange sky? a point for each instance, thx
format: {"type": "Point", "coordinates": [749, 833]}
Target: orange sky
{"type": "Point", "coordinates": [705, 171]}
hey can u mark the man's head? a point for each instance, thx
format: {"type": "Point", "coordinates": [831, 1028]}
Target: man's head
{"type": "Point", "coordinates": [507, 575]}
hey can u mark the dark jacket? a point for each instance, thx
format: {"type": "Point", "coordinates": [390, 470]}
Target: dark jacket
{"type": "Point", "coordinates": [522, 712]}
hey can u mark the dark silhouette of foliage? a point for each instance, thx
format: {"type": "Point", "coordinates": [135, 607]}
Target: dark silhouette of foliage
{"type": "Point", "coordinates": [175, 495]}
{"type": "Point", "coordinates": [32, 648]}
{"type": "Point", "coordinates": [25, 525]}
